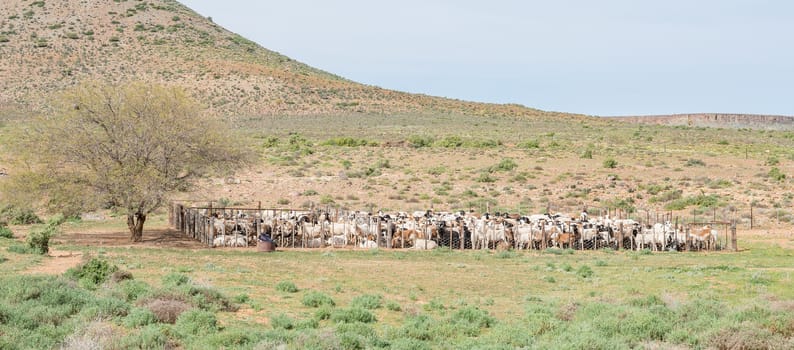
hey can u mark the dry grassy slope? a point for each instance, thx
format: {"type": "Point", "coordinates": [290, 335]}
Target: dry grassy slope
{"type": "Point", "coordinates": [49, 45]}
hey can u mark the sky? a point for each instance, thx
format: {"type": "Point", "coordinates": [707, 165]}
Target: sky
{"type": "Point", "coordinates": [607, 57]}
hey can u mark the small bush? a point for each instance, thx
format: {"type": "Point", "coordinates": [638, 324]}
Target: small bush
{"type": "Point", "coordinates": [393, 306]}
{"type": "Point", "coordinates": [154, 336]}
{"type": "Point", "coordinates": [286, 286]}
{"type": "Point", "coordinates": [174, 279]}
{"type": "Point", "coordinates": [132, 290]}
{"type": "Point", "coordinates": [529, 144]}
{"type": "Point", "coordinates": [317, 299]}
{"type": "Point", "coordinates": [93, 273]}
{"type": "Point", "coordinates": [19, 216]}
{"type": "Point", "coordinates": [282, 321]}
{"type": "Point", "coordinates": [471, 320]}
{"type": "Point", "coordinates": [367, 301]}
{"type": "Point", "coordinates": [196, 322]}
{"type": "Point", "coordinates": [167, 310]}
{"type": "Point", "coordinates": [353, 314]}
{"type": "Point", "coordinates": [139, 317]}
{"type": "Point", "coordinates": [39, 240]}
{"type": "Point", "coordinates": [506, 164]}
{"type": "Point", "coordinates": [585, 271]}
{"type": "Point", "coordinates": [610, 163]}
{"type": "Point", "coordinates": [417, 141]}
{"type": "Point", "coordinates": [5, 232]}
{"type": "Point", "coordinates": [776, 174]}
{"type": "Point", "coordinates": [588, 154]}
{"type": "Point", "coordinates": [694, 162]}
{"type": "Point", "coordinates": [208, 298]}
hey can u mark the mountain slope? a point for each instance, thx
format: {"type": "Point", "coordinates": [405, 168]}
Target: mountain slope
{"type": "Point", "coordinates": [49, 45]}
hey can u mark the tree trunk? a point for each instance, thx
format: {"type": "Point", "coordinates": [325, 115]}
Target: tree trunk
{"type": "Point", "coordinates": [135, 224]}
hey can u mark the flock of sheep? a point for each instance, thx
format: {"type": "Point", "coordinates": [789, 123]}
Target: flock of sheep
{"type": "Point", "coordinates": [458, 230]}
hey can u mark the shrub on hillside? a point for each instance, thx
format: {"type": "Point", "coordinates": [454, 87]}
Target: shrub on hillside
{"type": "Point", "coordinates": [167, 310]}
{"type": "Point", "coordinates": [610, 163]}
{"type": "Point", "coordinates": [93, 273]}
{"type": "Point", "coordinates": [38, 240]}
{"type": "Point", "coordinates": [19, 216]}
{"type": "Point", "coordinates": [286, 286]}
{"type": "Point", "coordinates": [317, 299]}
{"type": "Point", "coordinates": [5, 232]}
{"type": "Point", "coordinates": [196, 322]}
{"type": "Point", "coordinates": [367, 301]}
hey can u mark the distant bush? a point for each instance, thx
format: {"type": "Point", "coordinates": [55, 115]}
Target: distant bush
{"type": "Point", "coordinates": [92, 273]}
{"type": "Point", "coordinates": [529, 144]}
{"type": "Point", "coordinates": [348, 142]}
{"type": "Point", "coordinates": [506, 164]}
{"type": "Point", "coordinates": [167, 309]}
{"type": "Point", "coordinates": [367, 301]}
{"type": "Point", "coordinates": [485, 178]}
{"type": "Point", "coordinates": [308, 193]}
{"type": "Point", "coordinates": [666, 196]}
{"type": "Point", "coordinates": [286, 286]}
{"type": "Point", "coordinates": [5, 232]}
{"type": "Point", "coordinates": [610, 163]}
{"type": "Point", "coordinates": [196, 322]}
{"type": "Point", "coordinates": [450, 142]}
{"type": "Point", "coordinates": [701, 200]}
{"type": "Point", "coordinates": [139, 317]}
{"type": "Point", "coordinates": [587, 154]}
{"type": "Point", "coordinates": [351, 315]}
{"type": "Point", "coordinates": [19, 216]}
{"type": "Point", "coordinates": [694, 162]}
{"type": "Point", "coordinates": [417, 141]}
{"type": "Point", "coordinates": [487, 143]}
{"type": "Point", "coordinates": [38, 239]}
{"type": "Point", "coordinates": [776, 174]}
{"type": "Point", "coordinates": [270, 142]}
{"type": "Point", "coordinates": [584, 271]}
{"type": "Point", "coordinates": [772, 161]}
{"type": "Point", "coordinates": [175, 279]}
{"type": "Point", "coordinates": [317, 299]}
{"type": "Point", "coordinates": [470, 320]}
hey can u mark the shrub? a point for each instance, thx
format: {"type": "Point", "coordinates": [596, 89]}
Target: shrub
{"type": "Point", "coordinates": [417, 141]}
{"type": "Point", "coordinates": [282, 321]}
{"type": "Point", "coordinates": [529, 144]}
{"type": "Point", "coordinates": [317, 299]}
{"type": "Point", "coordinates": [196, 322]}
{"type": "Point", "coordinates": [353, 314]}
{"type": "Point", "coordinates": [39, 240]}
{"type": "Point", "coordinates": [175, 279]}
{"type": "Point", "coordinates": [776, 174]}
{"type": "Point", "coordinates": [471, 319]}
{"type": "Point", "coordinates": [154, 336]}
{"type": "Point", "coordinates": [610, 163]}
{"type": "Point", "coordinates": [588, 154]}
{"type": "Point", "coordinates": [139, 317]}
{"type": "Point", "coordinates": [208, 298]}
{"type": "Point", "coordinates": [585, 271]}
{"type": "Point", "coordinates": [485, 178]}
{"type": "Point", "coordinates": [5, 232]}
{"type": "Point", "coordinates": [450, 142]}
{"type": "Point", "coordinates": [286, 286]}
{"type": "Point", "coordinates": [93, 273]}
{"type": "Point", "coordinates": [506, 164]}
{"type": "Point", "coordinates": [393, 306]}
{"type": "Point", "coordinates": [367, 301]}
{"type": "Point", "coordinates": [132, 290]}
{"type": "Point", "coordinates": [167, 310]}
{"type": "Point", "coordinates": [694, 162]}
{"type": "Point", "coordinates": [19, 216]}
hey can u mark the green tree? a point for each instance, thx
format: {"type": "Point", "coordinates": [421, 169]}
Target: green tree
{"type": "Point", "coordinates": [123, 146]}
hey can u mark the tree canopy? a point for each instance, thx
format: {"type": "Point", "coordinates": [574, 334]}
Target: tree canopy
{"type": "Point", "coordinates": [123, 146]}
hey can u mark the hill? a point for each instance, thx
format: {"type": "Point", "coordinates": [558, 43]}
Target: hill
{"type": "Point", "coordinates": [49, 45]}
{"type": "Point", "coordinates": [716, 120]}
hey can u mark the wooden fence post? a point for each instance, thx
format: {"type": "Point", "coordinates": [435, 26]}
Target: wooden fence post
{"type": "Point", "coordinates": [734, 246]}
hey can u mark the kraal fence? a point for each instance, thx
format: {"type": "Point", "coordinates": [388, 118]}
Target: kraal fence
{"type": "Point", "coordinates": [591, 229]}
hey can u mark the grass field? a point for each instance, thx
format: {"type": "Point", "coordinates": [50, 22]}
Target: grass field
{"type": "Point", "coordinates": [410, 300]}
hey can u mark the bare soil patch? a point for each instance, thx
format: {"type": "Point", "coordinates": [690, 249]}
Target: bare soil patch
{"type": "Point", "coordinates": [156, 238]}
{"type": "Point", "coordinates": [58, 262]}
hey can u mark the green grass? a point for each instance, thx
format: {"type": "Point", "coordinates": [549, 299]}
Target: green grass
{"type": "Point", "coordinates": [416, 300]}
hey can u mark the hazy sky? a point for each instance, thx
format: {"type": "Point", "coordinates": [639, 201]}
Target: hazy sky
{"type": "Point", "coordinates": [608, 57]}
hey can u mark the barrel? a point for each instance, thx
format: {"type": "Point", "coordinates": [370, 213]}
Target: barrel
{"type": "Point", "coordinates": [265, 246]}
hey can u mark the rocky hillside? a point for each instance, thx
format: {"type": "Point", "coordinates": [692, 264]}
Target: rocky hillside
{"type": "Point", "coordinates": [48, 45]}
{"type": "Point", "coordinates": [717, 120]}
